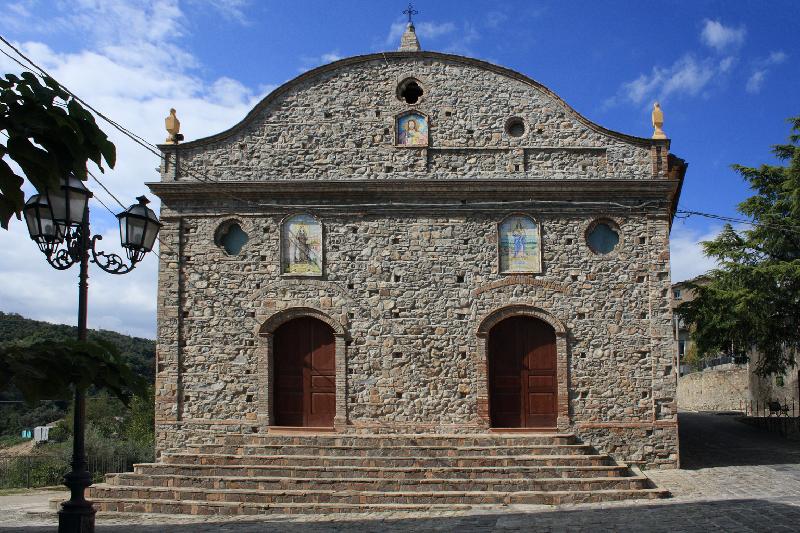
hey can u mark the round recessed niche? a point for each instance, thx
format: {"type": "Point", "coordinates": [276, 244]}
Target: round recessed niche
{"type": "Point", "coordinates": [231, 237]}
{"type": "Point", "coordinates": [410, 91]}
{"type": "Point", "coordinates": [515, 127]}
{"type": "Point", "coordinates": [602, 237]}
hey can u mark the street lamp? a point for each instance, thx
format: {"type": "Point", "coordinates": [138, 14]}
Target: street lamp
{"type": "Point", "coordinates": [58, 221]}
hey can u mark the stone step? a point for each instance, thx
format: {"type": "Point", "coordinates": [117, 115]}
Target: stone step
{"type": "Point", "coordinates": [364, 450]}
{"type": "Point", "coordinates": [224, 508]}
{"type": "Point", "coordinates": [375, 484]}
{"type": "Point", "coordinates": [328, 460]}
{"type": "Point", "coordinates": [349, 472]}
{"type": "Point", "coordinates": [315, 497]}
{"type": "Point", "coordinates": [377, 441]}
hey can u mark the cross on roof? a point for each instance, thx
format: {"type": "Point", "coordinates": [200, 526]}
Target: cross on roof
{"type": "Point", "coordinates": [410, 12]}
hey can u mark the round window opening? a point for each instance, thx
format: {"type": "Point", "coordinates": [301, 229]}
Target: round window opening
{"type": "Point", "coordinates": [232, 238]}
{"type": "Point", "coordinates": [602, 238]}
{"type": "Point", "coordinates": [515, 127]}
{"type": "Point", "coordinates": [410, 91]}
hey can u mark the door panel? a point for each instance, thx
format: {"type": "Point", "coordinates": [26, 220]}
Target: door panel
{"type": "Point", "coordinates": [305, 373]}
{"type": "Point", "coordinates": [522, 374]}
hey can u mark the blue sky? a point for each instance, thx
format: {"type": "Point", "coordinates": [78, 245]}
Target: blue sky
{"type": "Point", "coordinates": [726, 74]}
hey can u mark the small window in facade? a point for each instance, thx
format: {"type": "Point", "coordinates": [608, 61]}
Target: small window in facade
{"type": "Point", "coordinates": [231, 237]}
{"type": "Point", "coordinates": [779, 381]}
{"type": "Point", "coordinates": [410, 91]}
{"type": "Point", "coordinates": [602, 237]}
{"type": "Point", "coordinates": [677, 294]}
{"type": "Point", "coordinates": [515, 127]}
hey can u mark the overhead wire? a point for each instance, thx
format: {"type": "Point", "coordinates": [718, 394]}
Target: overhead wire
{"type": "Point", "coordinates": [152, 148]}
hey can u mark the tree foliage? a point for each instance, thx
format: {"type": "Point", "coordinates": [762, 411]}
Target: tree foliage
{"type": "Point", "coordinates": [48, 134]}
{"type": "Point", "coordinates": [47, 370]}
{"type": "Point", "coordinates": [752, 300]}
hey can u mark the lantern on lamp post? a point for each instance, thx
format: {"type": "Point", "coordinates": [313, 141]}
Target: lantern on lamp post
{"type": "Point", "coordinates": [58, 221]}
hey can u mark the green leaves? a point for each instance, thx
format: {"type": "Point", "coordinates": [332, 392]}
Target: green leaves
{"type": "Point", "coordinates": [49, 369]}
{"type": "Point", "coordinates": [49, 135]}
{"type": "Point", "coordinates": [751, 303]}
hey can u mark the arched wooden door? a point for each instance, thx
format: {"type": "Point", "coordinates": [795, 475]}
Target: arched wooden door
{"type": "Point", "coordinates": [304, 356]}
{"type": "Point", "coordinates": [522, 374]}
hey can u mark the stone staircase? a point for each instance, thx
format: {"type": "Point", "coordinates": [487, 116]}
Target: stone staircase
{"type": "Point", "coordinates": [301, 473]}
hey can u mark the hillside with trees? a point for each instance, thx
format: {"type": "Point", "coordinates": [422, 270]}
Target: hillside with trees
{"type": "Point", "coordinates": [139, 353]}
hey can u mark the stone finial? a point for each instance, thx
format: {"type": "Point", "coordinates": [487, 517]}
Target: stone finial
{"type": "Point", "coordinates": [409, 41]}
{"type": "Point", "coordinates": [658, 122]}
{"type": "Point", "coordinates": [173, 126]}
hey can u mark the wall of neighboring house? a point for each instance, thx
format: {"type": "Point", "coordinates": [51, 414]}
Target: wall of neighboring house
{"type": "Point", "coordinates": [714, 389]}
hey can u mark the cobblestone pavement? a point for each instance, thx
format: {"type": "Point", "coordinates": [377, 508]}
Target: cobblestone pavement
{"type": "Point", "coordinates": [735, 478]}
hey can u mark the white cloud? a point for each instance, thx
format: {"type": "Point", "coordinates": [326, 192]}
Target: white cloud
{"type": "Point", "coordinates": [686, 253]}
{"type": "Point", "coordinates": [424, 30]}
{"type": "Point", "coordinates": [727, 63]}
{"type": "Point", "coordinates": [307, 63]}
{"type": "Point", "coordinates": [687, 76]}
{"type": "Point", "coordinates": [462, 41]}
{"type": "Point", "coordinates": [494, 19]}
{"type": "Point", "coordinates": [432, 30]}
{"type": "Point", "coordinates": [230, 9]}
{"type": "Point", "coordinates": [721, 37]}
{"type": "Point", "coordinates": [760, 69]}
{"type": "Point", "coordinates": [133, 69]}
{"type": "Point", "coordinates": [755, 82]}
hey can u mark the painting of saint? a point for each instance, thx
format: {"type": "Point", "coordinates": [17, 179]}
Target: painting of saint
{"type": "Point", "coordinates": [412, 130]}
{"type": "Point", "coordinates": [519, 245]}
{"type": "Point", "coordinates": [301, 240]}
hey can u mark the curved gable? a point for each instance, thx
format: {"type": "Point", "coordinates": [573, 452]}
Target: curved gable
{"type": "Point", "coordinates": [341, 121]}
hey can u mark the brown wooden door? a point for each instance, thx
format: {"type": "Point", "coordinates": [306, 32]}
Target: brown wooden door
{"type": "Point", "coordinates": [305, 373]}
{"type": "Point", "coordinates": [522, 374]}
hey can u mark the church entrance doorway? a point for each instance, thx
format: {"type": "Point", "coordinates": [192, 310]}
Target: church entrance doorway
{"type": "Point", "coordinates": [305, 374]}
{"type": "Point", "coordinates": [522, 374]}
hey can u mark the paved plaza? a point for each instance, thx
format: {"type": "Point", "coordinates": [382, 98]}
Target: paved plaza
{"type": "Point", "coordinates": [734, 478]}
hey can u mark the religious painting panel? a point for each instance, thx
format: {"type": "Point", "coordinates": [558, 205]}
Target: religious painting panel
{"type": "Point", "coordinates": [412, 129]}
{"type": "Point", "coordinates": [519, 245]}
{"type": "Point", "coordinates": [301, 243]}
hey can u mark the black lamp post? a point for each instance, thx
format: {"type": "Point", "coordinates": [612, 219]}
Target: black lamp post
{"type": "Point", "coordinates": [58, 222]}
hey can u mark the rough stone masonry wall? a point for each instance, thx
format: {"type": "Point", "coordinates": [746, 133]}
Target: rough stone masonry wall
{"type": "Point", "coordinates": [341, 123]}
{"type": "Point", "coordinates": [413, 358]}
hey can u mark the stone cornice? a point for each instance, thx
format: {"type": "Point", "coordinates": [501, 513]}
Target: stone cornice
{"type": "Point", "coordinates": [479, 189]}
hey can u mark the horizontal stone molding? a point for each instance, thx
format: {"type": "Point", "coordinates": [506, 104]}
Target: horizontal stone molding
{"type": "Point", "coordinates": [630, 425]}
{"type": "Point", "coordinates": [629, 193]}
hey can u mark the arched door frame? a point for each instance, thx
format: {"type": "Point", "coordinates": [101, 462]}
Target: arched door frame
{"type": "Point", "coordinates": [266, 363]}
{"type": "Point", "coordinates": [486, 325]}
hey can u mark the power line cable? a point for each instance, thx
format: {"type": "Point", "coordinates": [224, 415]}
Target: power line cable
{"type": "Point", "coordinates": [152, 148]}
{"type": "Point", "coordinates": [725, 218]}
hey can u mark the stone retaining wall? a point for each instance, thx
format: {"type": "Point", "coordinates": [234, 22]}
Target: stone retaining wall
{"type": "Point", "coordinates": [714, 390]}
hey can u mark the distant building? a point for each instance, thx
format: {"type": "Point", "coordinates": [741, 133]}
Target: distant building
{"type": "Point", "coordinates": [41, 433]}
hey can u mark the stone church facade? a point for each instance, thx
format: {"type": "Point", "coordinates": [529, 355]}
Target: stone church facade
{"type": "Point", "coordinates": [416, 242]}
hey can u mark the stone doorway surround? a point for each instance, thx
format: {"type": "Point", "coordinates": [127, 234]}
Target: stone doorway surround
{"type": "Point", "coordinates": [485, 326]}
{"type": "Point", "coordinates": [266, 365]}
